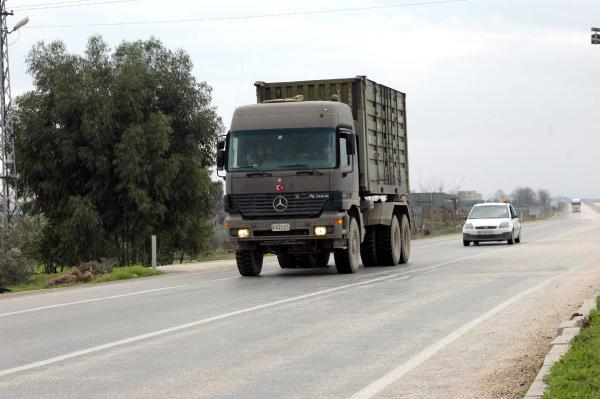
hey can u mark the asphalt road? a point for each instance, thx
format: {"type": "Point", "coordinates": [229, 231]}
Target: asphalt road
{"type": "Point", "coordinates": [308, 333]}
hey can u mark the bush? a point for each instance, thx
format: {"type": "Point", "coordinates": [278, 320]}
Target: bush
{"type": "Point", "coordinates": [19, 248]}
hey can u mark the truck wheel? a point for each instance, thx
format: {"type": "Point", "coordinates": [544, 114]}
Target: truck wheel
{"type": "Point", "coordinates": [249, 262]}
{"type": "Point", "coordinates": [322, 258]}
{"type": "Point", "coordinates": [368, 248]}
{"type": "Point", "coordinates": [287, 261]}
{"type": "Point", "coordinates": [347, 260]}
{"type": "Point", "coordinates": [389, 243]}
{"type": "Point", "coordinates": [405, 231]}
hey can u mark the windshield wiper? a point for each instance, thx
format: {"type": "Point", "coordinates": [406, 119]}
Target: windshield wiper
{"type": "Point", "coordinates": [308, 172]}
{"type": "Point", "coordinates": [258, 174]}
{"type": "Point", "coordinates": [295, 165]}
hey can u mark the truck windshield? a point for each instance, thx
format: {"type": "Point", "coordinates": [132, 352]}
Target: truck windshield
{"type": "Point", "coordinates": [309, 148]}
{"type": "Point", "coordinates": [489, 212]}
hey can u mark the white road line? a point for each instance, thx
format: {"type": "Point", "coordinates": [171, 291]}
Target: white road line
{"type": "Point", "coordinates": [391, 377]}
{"type": "Point", "coordinates": [60, 305]}
{"type": "Point", "coordinates": [180, 327]}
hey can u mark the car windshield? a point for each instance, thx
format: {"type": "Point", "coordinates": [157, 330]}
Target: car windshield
{"type": "Point", "coordinates": [309, 148]}
{"type": "Point", "coordinates": [489, 212]}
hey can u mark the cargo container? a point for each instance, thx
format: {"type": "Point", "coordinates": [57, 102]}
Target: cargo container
{"type": "Point", "coordinates": [317, 167]}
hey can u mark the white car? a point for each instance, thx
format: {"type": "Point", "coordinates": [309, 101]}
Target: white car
{"type": "Point", "coordinates": [492, 222]}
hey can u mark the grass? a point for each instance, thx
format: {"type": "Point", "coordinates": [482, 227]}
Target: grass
{"type": "Point", "coordinates": [37, 281]}
{"type": "Point", "coordinates": [577, 374]}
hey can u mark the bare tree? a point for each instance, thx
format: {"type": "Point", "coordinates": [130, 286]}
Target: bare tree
{"type": "Point", "coordinates": [523, 195]}
{"type": "Point", "coordinates": [543, 197]}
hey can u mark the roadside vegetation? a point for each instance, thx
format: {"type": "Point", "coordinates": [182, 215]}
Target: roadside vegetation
{"type": "Point", "coordinates": [577, 374]}
{"type": "Point", "coordinates": [112, 146]}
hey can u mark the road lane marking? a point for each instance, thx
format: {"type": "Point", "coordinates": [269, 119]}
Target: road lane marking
{"type": "Point", "coordinates": [60, 305]}
{"type": "Point", "coordinates": [180, 327]}
{"type": "Point", "coordinates": [394, 375]}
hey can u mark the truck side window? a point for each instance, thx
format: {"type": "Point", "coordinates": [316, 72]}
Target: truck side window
{"type": "Point", "coordinates": [344, 157]}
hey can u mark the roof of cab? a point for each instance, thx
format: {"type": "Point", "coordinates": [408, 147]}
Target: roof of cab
{"type": "Point", "coordinates": [291, 114]}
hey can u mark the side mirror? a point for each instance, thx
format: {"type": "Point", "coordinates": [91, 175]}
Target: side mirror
{"type": "Point", "coordinates": [221, 155]}
{"type": "Point", "coordinates": [350, 143]}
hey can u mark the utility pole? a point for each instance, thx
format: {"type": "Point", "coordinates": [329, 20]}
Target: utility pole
{"type": "Point", "coordinates": [8, 171]}
{"type": "Point", "coordinates": [596, 36]}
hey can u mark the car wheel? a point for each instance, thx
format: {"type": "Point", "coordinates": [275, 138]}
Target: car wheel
{"type": "Point", "coordinates": [511, 240]}
{"type": "Point", "coordinates": [518, 239]}
{"type": "Point", "coordinates": [466, 243]}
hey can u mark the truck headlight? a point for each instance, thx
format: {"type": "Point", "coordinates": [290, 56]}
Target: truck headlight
{"type": "Point", "coordinates": [504, 225]}
{"type": "Point", "coordinates": [243, 233]}
{"type": "Point", "coordinates": [320, 230]}
{"type": "Point", "coordinates": [468, 226]}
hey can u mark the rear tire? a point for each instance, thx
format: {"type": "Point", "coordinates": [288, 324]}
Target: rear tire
{"type": "Point", "coordinates": [405, 239]}
{"type": "Point", "coordinates": [249, 262]}
{"type": "Point", "coordinates": [287, 261]}
{"type": "Point", "coordinates": [368, 248]}
{"type": "Point", "coordinates": [347, 260]}
{"type": "Point", "coordinates": [389, 243]}
{"type": "Point", "coordinates": [518, 239]}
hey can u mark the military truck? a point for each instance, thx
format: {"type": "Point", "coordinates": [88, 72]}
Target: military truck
{"type": "Point", "coordinates": [317, 167]}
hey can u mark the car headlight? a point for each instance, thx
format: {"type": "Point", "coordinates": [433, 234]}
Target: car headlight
{"type": "Point", "coordinates": [468, 226]}
{"type": "Point", "coordinates": [504, 225]}
{"type": "Point", "coordinates": [243, 233]}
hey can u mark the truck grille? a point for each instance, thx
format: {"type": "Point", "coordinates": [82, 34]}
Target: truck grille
{"type": "Point", "coordinates": [262, 205]}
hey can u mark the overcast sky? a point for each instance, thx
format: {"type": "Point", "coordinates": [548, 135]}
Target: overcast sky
{"type": "Point", "coordinates": [500, 93]}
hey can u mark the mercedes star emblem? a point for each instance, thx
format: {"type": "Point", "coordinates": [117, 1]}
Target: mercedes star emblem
{"type": "Point", "coordinates": [280, 203]}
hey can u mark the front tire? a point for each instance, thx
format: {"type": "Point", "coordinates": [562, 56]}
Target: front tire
{"type": "Point", "coordinates": [347, 259]}
{"type": "Point", "coordinates": [249, 262]}
{"type": "Point", "coordinates": [466, 243]}
{"type": "Point", "coordinates": [511, 240]}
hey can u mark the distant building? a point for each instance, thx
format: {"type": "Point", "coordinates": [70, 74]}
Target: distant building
{"type": "Point", "coordinates": [469, 196]}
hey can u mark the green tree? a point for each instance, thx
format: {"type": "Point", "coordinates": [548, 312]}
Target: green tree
{"type": "Point", "coordinates": [115, 146]}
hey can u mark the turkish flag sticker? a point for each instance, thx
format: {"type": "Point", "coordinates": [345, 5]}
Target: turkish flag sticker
{"type": "Point", "coordinates": [279, 187]}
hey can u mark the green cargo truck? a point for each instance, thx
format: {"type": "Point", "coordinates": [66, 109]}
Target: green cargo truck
{"type": "Point", "coordinates": [318, 167]}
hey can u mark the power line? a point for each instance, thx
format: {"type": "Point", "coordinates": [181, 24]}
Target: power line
{"type": "Point", "coordinates": [65, 5]}
{"type": "Point", "coordinates": [257, 16]}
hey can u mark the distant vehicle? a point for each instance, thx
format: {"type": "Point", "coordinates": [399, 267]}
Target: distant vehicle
{"type": "Point", "coordinates": [576, 205]}
{"type": "Point", "coordinates": [492, 222]}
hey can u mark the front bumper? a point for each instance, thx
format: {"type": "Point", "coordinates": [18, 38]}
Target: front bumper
{"type": "Point", "coordinates": [487, 235]}
{"type": "Point", "coordinates": [302, 231]}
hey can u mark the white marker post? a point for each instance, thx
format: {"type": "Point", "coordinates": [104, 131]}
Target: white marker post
{"type": "Point", "coordinates": [154, 253]}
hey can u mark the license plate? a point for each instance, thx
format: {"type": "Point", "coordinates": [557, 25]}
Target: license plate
{"type": "Point", "coordinates": [486, 233]}
{"type": "Point", "coordinates": [280, 227]}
